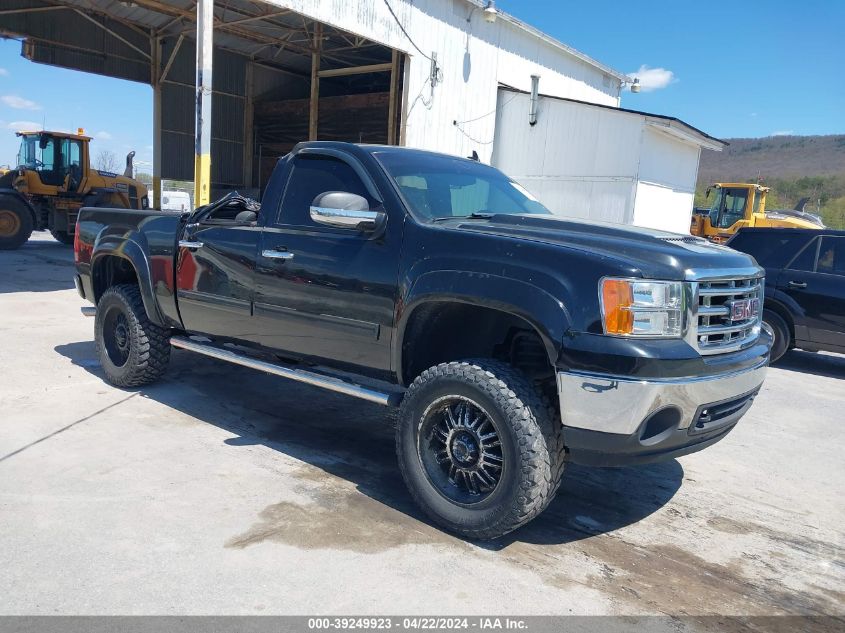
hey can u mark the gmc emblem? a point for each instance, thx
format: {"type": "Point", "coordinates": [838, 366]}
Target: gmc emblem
{"type": "Point", "coordinates": [743, 309]}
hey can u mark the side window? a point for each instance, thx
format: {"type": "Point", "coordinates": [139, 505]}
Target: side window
{"type": "Point", "coordinates": [806, 259]}
{"type": "Point", "coordinates": [832, 256]}
{"type": "Point", "coordinates": [309, 177]}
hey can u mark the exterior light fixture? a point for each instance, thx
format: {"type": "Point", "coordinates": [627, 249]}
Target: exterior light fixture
{"type": "Point", "coordinates": [490, 12]}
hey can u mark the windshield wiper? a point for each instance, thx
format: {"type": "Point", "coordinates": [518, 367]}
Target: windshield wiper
{"type": "Point", "coordinates": [471, 216]}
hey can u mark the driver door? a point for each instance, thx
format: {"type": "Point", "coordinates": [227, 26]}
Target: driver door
{"type": "Point", "coordinates": [215, 270]}
{"type": "Point", "coordinates": [325, 292]}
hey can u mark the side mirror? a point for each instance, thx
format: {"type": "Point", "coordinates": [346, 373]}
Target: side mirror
{"type": "Point", "coordinates": [246, 217]}
{"type": "Point", "coordinates": [343, 210]}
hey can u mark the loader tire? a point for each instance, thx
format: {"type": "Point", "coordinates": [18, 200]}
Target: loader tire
{"type": "Point", "coordinates": [15, 223]}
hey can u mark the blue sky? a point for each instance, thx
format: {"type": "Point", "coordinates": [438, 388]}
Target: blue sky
{"type": "Point", "coordinates": [741, 68]}
{"type": "Point", "coordinates": [744, 68]}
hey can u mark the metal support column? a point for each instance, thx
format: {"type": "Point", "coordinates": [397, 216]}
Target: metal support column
{"type": "Point", "coordinates": [249, 124]}
{"type": "Point", "coordinates": [155, 65]}
{"type": "Point", "coordinates": [314, 109]}
{"type": "Point", "coordinates": [202, 149]}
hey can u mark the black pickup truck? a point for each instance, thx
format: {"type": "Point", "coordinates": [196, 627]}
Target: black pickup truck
{"type": "Point", "coordinates": [511, 340]}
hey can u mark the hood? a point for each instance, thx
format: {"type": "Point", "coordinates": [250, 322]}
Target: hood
{"type": "Point", "coordinates": [656, 254]}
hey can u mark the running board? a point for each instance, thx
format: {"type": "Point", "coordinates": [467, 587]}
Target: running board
{"type": "Point", "coordinates": [308, 377]}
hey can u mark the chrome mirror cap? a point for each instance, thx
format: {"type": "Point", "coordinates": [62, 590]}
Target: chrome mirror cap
{"type": "Point", "coordinates": [346, 218]}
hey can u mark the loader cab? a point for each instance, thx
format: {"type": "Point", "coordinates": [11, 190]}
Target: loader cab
{"type": "Point", "coordinates": [735, 203]}
{"type": "Point", "coordinates": [59, 161]}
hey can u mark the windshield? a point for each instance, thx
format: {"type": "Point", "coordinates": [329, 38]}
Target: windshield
{"type": "Point", "coordinates": [437, 187]}
{"type": "Point", "coordinates": [30, 154]}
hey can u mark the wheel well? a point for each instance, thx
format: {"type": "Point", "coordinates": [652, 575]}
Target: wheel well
{"type": "Point", "coordinates": [110, 270]}
{"type": "Point", "coordinates": [440, 332]}
{"type": "Point", "coordinates": [784, 314]}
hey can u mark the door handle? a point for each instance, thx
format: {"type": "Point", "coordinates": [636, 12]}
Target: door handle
{"type": "Point", "coordinates": [189, 244]}
{"type": "Point", "coordinates": [270, 254]}
{"type": "Point", "coordinates": [797, 284]}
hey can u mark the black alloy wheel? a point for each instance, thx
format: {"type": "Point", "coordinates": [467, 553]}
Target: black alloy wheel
{"type": "Point", "coordinates": [459, 446]}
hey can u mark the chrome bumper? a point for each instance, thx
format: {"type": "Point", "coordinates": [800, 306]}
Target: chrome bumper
{"type": "Point", "coordinates": [616, 404]}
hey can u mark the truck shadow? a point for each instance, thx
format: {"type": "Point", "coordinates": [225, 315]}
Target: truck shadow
{"type": "Point", "coordinates": [819, 364]}
{"type": "Point", "coordinates": [341, 437]}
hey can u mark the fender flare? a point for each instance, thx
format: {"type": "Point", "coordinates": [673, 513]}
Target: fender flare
{"type": "Point", "coordinates": [546, 314]}
{"type": "Point", "coordinates": [14, 193]}
{"type": "Point", "coordinates": [128, 249]}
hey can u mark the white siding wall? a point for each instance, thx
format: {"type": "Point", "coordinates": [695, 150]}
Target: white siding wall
{"type": "Point", "coordinates": [597, 163]}
{"type": "Point", "coordinates": [580, 161]}
{"type": "Point", "coordinates": [474, 59]}
{"type": "Point", "coordinates": [667, 176]}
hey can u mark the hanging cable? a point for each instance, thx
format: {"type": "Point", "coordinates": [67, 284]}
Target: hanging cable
{"type": "Point", "coordinates": [484, 116]}
{"type": "Point", "coordinates": [414, 44]}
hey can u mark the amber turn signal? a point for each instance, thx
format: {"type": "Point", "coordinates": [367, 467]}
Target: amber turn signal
{"type": "Point", "coordinates": [617, 299]}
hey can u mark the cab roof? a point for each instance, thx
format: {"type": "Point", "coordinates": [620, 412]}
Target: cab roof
{"type": "Point", "coordinates": [78, 137]}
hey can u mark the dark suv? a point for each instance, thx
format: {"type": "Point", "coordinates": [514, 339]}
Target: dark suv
{"type": "Point", "coordinates": [805, 285]}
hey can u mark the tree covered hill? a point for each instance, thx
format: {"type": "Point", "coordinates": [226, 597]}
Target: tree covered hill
{"type": "Point", "coordinates": [793, 166]}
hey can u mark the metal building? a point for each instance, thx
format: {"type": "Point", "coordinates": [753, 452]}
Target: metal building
{"type": "Point", "coordinates": [424, 73]}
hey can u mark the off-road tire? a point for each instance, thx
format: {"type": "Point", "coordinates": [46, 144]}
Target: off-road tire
{"type": "Point", "coordinates": [149, 344]}
{"type": "Point", "coordinates": [531, 437]}
{"type": "Point", "coordinates": [780, 331]}
{"type": "Point", "coordinates": [62, 236]}
{"type": "Point", "coordinates": [20, 222]}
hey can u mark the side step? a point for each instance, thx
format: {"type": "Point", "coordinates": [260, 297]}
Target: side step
{"type": "Point", "coordinates": [331, 383]}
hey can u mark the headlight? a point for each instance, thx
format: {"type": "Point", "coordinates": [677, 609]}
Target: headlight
{"type": "Point", "coordinates": [642, 308]}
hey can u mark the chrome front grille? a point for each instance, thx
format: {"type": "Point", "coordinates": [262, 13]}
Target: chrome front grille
{"type": "Point", "coordinates": [717, 330]}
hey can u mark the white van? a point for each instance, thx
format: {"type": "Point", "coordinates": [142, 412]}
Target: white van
{"type": "Point", "coordinates": [176, 201]}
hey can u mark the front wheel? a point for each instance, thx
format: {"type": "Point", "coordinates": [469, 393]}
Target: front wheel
{"type": "Point", "coordinates": [15, 223]}
{"type": "Point", "coordinates": [780, 335]}
{"type": "Point", "coordinates": [480, 449]}
{"type": "Point", "coordinates": [133, 351]}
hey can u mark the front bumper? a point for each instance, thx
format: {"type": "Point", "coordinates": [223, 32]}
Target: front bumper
{"type": "Point", "coordinates": [617, 420]}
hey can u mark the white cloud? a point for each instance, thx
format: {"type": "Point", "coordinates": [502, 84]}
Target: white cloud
{"type": "Point", "coordinates": [102, 135]}
{"type": "Point", "coordinates": [19, 103]}
{"type": "Point", "coordinates": [783, 133]}
{"type": "Point", "coordinates": [24, 126]}
{"type": "Point", "coordinates": [653, 78]}
{"type": "Point", "coordinates": [4, 72]}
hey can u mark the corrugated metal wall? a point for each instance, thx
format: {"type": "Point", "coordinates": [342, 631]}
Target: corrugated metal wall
{"type": "Point", "coordinates": [580, 161]}
{"type": "Point", "coordinates": [228, 115]}
{"type": "Point", "coordinates": [596, 163]}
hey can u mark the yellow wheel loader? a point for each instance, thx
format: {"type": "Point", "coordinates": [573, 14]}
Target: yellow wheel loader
{"type": "Point", "coordinates": [52, 181]}
{"type": "Point", "coordinates": [739, 205]}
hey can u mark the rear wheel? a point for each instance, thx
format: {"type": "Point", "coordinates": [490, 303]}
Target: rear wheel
{"type": "Point", "coordinates": [15, 223]}
{"type": "Point", "coordinates": [62, 236]}
{"type": "Point", "coordinates": [479, 447]}
{"type": "Point", "coordinates": [133, 351]}
{"type": "Point", "coordinates": [780, 333]}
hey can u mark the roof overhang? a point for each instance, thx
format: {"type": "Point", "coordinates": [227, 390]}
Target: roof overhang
{"type": "Point", "coordinates": [685, 133]}
{"type": "Point", "coordinates": [555, 43]}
